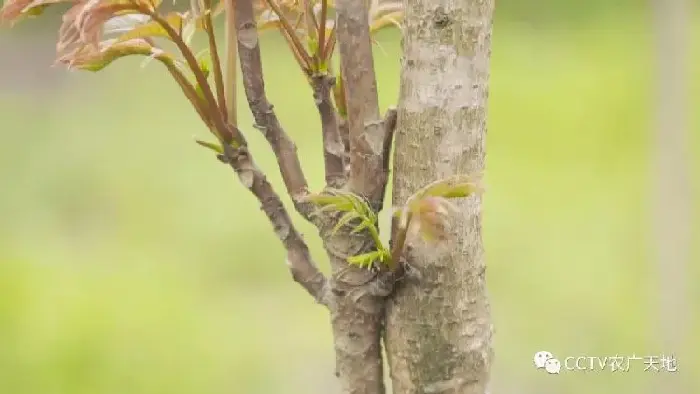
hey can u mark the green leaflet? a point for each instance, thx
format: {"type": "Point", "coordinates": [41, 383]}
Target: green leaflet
{"type": "Point", "coordinates": [204, 64]}
{"type": "Point", "coordinates": [339, 96]}
{"type": "Point", "coordinates": [354, 207]}
{"type": "Point", "coordinates": [211, 145]}
{"type": "Point", "coordinates": [367, 259]}
{"type": "Point", "coordinates": [97, 60]}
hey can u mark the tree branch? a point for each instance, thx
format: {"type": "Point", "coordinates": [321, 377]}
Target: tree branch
{"type": "Point", "coordinates": [344, 131]}
{"type": "Point", "coordinates": [389, 124]}
{"type": "Point", "coordinates": [265, 118]}
{"type": "Point", "coordinates": [356, 302]}
{"type": "Point", "coordinates": [299, 260]}
{"type": "Point", "coordinates": [343, 126]}
{"type": "Point", "coordinates": [216, 62]}
{"type": "Point", "coordinates": [438, 330]}
{"type": "Point", "coordinates": [216, 115]}
{"type": "Point", "coordinates": [366, 133]}
{"type": "Point", "coordinates": [333, 147]}
{"type": "Point", "coordinates": [231, 60]}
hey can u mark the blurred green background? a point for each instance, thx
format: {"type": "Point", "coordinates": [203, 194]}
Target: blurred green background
{"type": "Point", "coordinates": [131, 261]}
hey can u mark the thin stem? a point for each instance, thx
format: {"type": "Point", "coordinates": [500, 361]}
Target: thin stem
{"type": "Point", "coordinates": [399, 243]}
{"type": "Point", "coordinates": [290, 30]}
{"type": "Point", "coordinates": [297, 22]}
{"type": "Point", "coordinates": [375, 237]}
{"type": "Point", "coordinates": [322, 29]}
{"type": "Point", "coordinates": [190, 92]}
{"type": "Point", "coordinates": [223, 132]}
{"type": "Point", "coordinates": [214, 53]}
{"type": "Point", "coordinates": [187, 88]}
{"type": "Point", "coordinates": [312, 30]}
{"type": "Point", "coordinates": [297, 56]}
{"type": "Point", "coordinates": [231, 84]}
{"type": "Point", "coordinates": [311, 22]}
{"type": "Point", "coordinates": [329, 47]}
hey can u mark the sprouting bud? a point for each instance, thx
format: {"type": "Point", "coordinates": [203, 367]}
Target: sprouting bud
{"type": "Point", "coordinates": [431, 218]}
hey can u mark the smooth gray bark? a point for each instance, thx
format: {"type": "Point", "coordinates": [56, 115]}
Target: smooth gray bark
{"type": "Point", "coordinates": [438, 323]}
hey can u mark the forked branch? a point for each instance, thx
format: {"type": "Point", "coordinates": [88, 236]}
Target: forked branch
{"type": "Point", "coordinates": [367, 134]}
{"type": "Point", "coordinates": [314, 59]}
{"type": "Point", "coordinates": [299, 260]}
{"type": "Point", "coordinates": [265, 118]}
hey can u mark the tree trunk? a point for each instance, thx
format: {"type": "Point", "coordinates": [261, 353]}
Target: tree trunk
{"type": "Point", "coordinates": [672, 211]}
{"type": "Point", "coordinates": [438, 324]}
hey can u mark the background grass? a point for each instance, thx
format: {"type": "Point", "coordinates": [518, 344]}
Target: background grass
{"type": "Point", "coordinates": [131, 261]}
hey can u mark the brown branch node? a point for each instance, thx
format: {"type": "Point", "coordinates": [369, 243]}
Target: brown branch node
{"type": "Point", "coordinates": [299, 260]}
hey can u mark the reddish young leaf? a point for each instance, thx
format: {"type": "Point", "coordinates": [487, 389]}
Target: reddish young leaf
{"type": "Point", "coordinates": [83, 24]}
{"type": "Point", "coordinates": [124, 23]}
{"type": "Point", "coordinates": [13, 10]}
{"type": "Point", "coordinates": [91, 59]}
{"type": "Point", "coordinates": [175, 20]}
{"type": "Point", "coordinates": [431, 218]}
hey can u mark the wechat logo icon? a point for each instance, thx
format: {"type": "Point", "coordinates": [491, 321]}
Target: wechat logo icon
{"type": "Point", "coordinates": [546, 360]}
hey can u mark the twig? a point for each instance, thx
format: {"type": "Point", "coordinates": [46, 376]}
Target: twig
{"type": "Point", "coordinates": [284, 148]}
{"type": "Point", "coordinates": [399, 235]}
{"type": "Point", "coordinates": [322, 29]}
{"type": "Point", "coordinates": [344, 131]}
{"type": "Point", "coordinates": [333, 147]}
{"type": "Point", "coordinates": [213, 112]}
{"type": "Point", "coordinates": [299, 260]}
{"type": "Point", "coordinates": [312, 29]}
{"type": "Point", "coordinates": [231, 60]}
{"type": "Point", "coordinates": [286, 25]}
{"type": "Point", "coordinates": [366, 133]}
{"type": "Point", "coordinates": [214, 53]}
{"type": "Point", "coordinates": [389, 124]}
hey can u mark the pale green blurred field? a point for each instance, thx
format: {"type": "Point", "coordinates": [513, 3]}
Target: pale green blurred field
{"type": "Point", "coordinates": [131, 261]}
